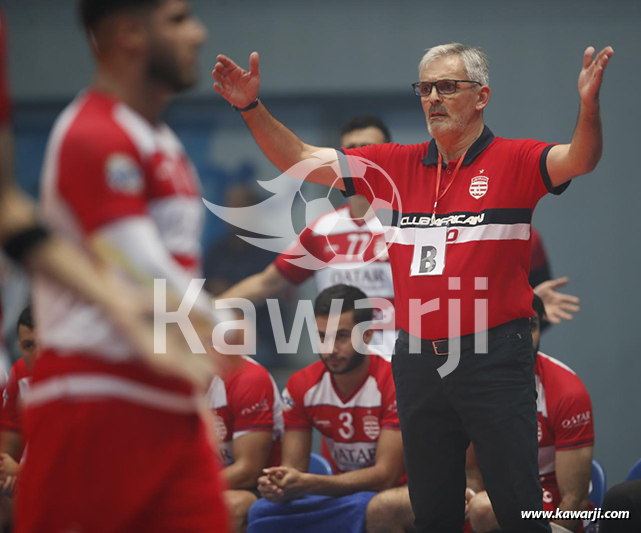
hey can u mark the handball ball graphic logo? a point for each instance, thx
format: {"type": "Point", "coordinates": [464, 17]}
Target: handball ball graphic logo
{"type": "Point", "coordinates": [272, 218]}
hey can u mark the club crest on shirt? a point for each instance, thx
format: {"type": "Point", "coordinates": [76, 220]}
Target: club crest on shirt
{"type": "Point", "coordinates": [288, 401]}
{"type": "Point", "coordinates": [371, 426]}
{"type": "Point", "coordinates": [123, 174]}
{"type": "Point", "coordinates": [478, 186]}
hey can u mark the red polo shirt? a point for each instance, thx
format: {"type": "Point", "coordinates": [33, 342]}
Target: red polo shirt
{"type": "Point", "coordinates": [487, 211]}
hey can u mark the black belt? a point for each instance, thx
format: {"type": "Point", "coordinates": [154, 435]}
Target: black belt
{"type": "Point", "coordinates": [441, 346]}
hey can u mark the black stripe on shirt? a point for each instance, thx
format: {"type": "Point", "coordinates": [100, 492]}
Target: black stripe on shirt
{"type": "Point", "coordinates": [467, 219]}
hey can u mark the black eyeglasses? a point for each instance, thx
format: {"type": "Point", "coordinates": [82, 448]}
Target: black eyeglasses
{"type": "Point", "coordinates": [424, 88]}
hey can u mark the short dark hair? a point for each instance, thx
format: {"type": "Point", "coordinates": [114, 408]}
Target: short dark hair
{"type": "Point", "coordinates": [361, 122]}
{"type": "Point", "coordinates": [349, 295]}
{"type": "Point", "coordinates": [91, 12]}
{"type": "Point", "coordinates": [539, 307]}
{"type": "Point", "coordinates": [26, 318]}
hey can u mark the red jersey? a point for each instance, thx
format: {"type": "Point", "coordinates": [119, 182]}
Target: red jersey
{"type": "Point", "coordinates": [564, 416]}
{"type": "Point", "coordinates": [354, 255]}
{"type": "Point", "coordinates": [246, 400]}
{"type": "Point", "coordinates": [5, 101]}
{"type": "Point", "coordinates": [106, 163]}
{"type": "Point", "coordinates": [350, 425]}
{"type": "Point", "coordinates": [479, 236]}
{"type": "Point", "coordinates": [13, 397]}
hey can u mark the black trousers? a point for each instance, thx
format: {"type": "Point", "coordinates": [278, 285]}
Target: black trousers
{"type": "Point", "coordinates": [490, 400]}
{"type": "Point", "coordinates": [623, 497]}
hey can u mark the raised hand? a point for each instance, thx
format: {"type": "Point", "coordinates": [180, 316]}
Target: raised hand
{"type": "Point", "coordinates": [236, 85]}
{"type": "Point", "coordinates": [591, 74]}
{"type": "Point", "coordinates": [558, 306]}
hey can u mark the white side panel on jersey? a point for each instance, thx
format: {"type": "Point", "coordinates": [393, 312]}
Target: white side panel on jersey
{"type": "Point", "coordinates": [547, 455]}
{"type": "Point", "coordinates": [179, 221]}
{"type": "Point", "coordinates": [217, 395]}
{"type": "Point", "coordinates": [541, 405]}
{"type": "Point", "coordinates": [23, 387]}
{"type": "Point", "coordinates": [323, 393]}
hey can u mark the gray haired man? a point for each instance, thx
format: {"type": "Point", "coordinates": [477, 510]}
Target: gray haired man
{"type": "Point", "coordinates": [472, 195]}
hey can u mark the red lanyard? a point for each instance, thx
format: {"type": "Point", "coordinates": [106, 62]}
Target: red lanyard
{"type": "Point", "coordinates": [438, 181]}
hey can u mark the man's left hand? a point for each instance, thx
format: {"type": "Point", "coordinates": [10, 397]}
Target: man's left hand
{"type": "Point", "coordinates": [558, 306]}
{"type": "Point", "coordinates": [591, 74]}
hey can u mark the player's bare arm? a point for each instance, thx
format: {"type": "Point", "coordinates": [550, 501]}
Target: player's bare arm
{"type": "Point", "coordinates": [119, 244]}
{"type": "Point", "coordinates": [281, 145]}
{"type": "Point", "coordinates": [257, 288]}
{"type": "Point", "coordinates": [573, 472]}
{"type": "Point", "coordinates": [250, 456]}
{"type": "Point", "coordinates": [383, 475]}
{"type": "Point", "coordinates": [11, 444]}
{"type": "Point", "coordinates": [297, 447]}
{"type": "Point", "coordinates": [567, 161]}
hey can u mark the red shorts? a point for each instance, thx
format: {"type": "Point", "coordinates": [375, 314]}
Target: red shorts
{"type": "Point", "coordinates": [113, 466]}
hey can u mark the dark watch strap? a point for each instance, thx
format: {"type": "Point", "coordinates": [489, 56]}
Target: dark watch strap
{"type": "Point", "coordinates": [249, 107]}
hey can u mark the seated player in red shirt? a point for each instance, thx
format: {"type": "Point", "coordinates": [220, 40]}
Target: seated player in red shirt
{"type": "Point", "coordinates": [566, 440]}
{"type": "Point", "coordinates": [11, 442]}
{"type": "Point", "coordinates": [349, 397]}
{"type": "Point", "coordinates": [248, 422]}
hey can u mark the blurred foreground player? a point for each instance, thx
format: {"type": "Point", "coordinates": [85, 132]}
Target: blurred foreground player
{"type": "Point", "coordinates": [12, 444]}
{"type": "Point", "coordinates": [11, 441]}
{"type": "Point", "coordinates": [113, 445]}
{"type": "Point", "coordinates": [25, 240]}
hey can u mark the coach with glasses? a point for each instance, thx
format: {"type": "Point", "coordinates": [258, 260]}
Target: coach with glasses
{"type": "Point", "coordinates": [460, 256]}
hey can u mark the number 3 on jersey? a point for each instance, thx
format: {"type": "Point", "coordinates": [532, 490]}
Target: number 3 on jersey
{"type": "Point", "coordinates": [429, 251]}
{"type": "Point", "coordinates": [347, 429]}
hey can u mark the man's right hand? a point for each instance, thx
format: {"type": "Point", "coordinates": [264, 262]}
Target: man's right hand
{"type": "Point", "coordinates": [269, 490]}
{"type": "Point", "coordinates": [236, 85]}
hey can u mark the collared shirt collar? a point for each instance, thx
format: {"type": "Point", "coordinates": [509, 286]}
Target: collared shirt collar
{"type": "Point", "coordinates": [475, 150]}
